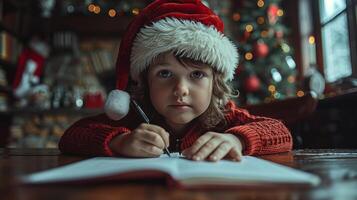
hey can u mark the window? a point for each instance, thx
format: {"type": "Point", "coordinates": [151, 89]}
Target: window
{"type": "Point", "coordinates": [335, 38]}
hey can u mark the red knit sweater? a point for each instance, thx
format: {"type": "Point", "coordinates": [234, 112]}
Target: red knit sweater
{"type": "Point", "coordinates": [261, 135]}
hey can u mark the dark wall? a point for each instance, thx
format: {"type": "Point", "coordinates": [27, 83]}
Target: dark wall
{"type": "Point", "coordinates": [332, 125]}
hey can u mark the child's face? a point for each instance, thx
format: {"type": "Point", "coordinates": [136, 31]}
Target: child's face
{"type": "Point", "coordinates": [179, 93]}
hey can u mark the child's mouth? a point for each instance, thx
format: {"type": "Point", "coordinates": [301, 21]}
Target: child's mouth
{"type": "Point", "coordinates": [180, 106]}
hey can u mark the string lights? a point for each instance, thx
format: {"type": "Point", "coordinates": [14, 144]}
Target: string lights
{"type": "Point", "coordinates": [249, 28]}
{"type": "Point", "coordinates": [312, 39]}
{"type": "Point", "coordinates": [135, 11]}
{"type": "Point", "coordinates": [248, 56]}
{"type": "Point", "coordinates": [260, 3]}
{"type": "Point", "coordinates": [300, 93]}
{"type": "Point", "coordinates": [112, 11]}
{"type": "Point", "coordinates": [280, 13]}
{"type": "Point", "coordinates": [264, 33]}
{"type": "Point", "coordinates": [266, 54]}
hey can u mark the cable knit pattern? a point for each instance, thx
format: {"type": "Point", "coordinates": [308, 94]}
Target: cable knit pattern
{"type": "Point", "coordinates": [261, 135]}
{"type": "Point", "coordinates": [90, 136]}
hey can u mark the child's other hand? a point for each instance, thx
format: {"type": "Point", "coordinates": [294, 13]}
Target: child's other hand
{"type": "Point", "coordinates": [214, 146]}
{"type": "Point", "coordinates": [147, 140]}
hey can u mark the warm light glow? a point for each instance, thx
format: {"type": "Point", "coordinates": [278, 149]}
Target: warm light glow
{"type": "Point", "coordinates": [248, 56]}
{"type": "Point", "coordinates": [291, 79]}
{"type": "Point", "coordinates": [312, 39]}
{"type": "Point", "coordinates": [96, 9]}
{"type": "Point", "coordinates": [135, 11]}
{"type": "Point", "coordinates": [236, 17]}
{"type": "Point", "coordinates": [112, 12]}
{"type": "Point", "coordinates": [285, 47]}
{"type": "Point", "coordinates": [280, 12]}
{"type": "Point", "coordinates": [249, 28]}
{"type": "Point", "coordinates": [260, 3]}
{"type": "Point", "coordinates": [260, 20]}
{"type": "Point", "coordinates": [272, 88]}
{"type": "Point", "coordinates": [91, 7]}
{"type": "Point", "coordinates": [300, 93]}
{"type": "Point", "coordinates": [264, 33]}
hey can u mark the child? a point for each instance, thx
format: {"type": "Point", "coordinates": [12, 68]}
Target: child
{"type": "Point", "coordinates": [179, 62]}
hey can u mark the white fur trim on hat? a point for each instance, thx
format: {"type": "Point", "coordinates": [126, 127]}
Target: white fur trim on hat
{"type": "Point", "coordinates": [187, 38]}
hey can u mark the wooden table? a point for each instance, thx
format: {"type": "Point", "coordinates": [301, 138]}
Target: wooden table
{"type": "Point", "coordinates": [337, 169]}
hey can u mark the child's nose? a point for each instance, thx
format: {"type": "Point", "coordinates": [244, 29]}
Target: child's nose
{"type": "Point", "coordinates": [181, 88]}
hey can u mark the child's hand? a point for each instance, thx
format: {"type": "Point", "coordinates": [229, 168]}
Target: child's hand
{"type": "Point", "coordinates": [147, 140]}
{"type": "Point", "coordinates": [214, 146]}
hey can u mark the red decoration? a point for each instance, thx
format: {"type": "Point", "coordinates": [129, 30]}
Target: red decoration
{"type": "Point", "coordinates": [273, 13]}
{"type": "Point", "coordinates": [93, 100]}
{"type": "Point", "coordinates": [245, 37]}
{"type": "Point", "coordinates": [30, 67]}
{"type": "Point", "coordinates": [27, 56]}
{"type": "Point", "coordinates": [252, 83]}
{"type": "Point", "coordinates": [261, 50]}
{"type": "Point", "coordinates": [160, 9]}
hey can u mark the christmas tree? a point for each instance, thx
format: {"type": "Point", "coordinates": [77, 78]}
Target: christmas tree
{"type": "Point", "coordinates": [267, 69]}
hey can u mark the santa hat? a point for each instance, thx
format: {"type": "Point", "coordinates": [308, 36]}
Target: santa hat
{"type": "Point", "coordinates": [186, 27]}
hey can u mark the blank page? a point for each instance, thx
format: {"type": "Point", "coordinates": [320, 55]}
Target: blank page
{"type": "Point", "coordinates": [250, 169]}
{"type": "Point", "coordinates": [101, 166]}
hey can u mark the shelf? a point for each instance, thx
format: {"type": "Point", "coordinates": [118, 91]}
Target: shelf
{"type": "Point", "coordinates": [6, 89]}
{"type": "Point", "coordinates": [92, 25]}
{"type": "Point", "coordinates": [69, 111]}
{"type": "Point", "coordinates": [7, 64]}
{"type": "Point", "coordinates": [344, 99]}
{"type": "Point", "coordinates": [11, 32]}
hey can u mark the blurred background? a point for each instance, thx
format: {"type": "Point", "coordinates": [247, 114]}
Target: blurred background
{"type": "Point", "coordinates": [297, 64]}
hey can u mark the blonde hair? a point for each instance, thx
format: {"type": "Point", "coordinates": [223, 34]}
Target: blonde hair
{"type": "Point", "coordinates": [221, 94]}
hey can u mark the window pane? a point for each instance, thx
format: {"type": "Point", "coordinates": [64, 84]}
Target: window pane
{"type": "Point", "coordinates": [330, 8]}
{"type": "Point", "coordinates": [336, 49]}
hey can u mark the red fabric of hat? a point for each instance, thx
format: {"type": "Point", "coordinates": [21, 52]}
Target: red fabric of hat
{"type": "Point", "coordinates": [186, 27]}
{"type": "Point", "coordinates": [182, 9]}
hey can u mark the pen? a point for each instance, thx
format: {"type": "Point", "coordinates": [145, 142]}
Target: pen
{"type": "Point", "coordinates": [147, 121]}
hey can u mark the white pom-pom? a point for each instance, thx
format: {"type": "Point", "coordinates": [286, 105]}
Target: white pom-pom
{"type": "Point", "coordinates": [117, 104]}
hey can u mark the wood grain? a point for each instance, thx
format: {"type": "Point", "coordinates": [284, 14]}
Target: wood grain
{"type": "Point", "coordinates": [337, 169]}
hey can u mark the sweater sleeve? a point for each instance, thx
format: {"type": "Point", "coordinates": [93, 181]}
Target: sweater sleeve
{"type": "Point", "coordinates": [90, 136]}
{"type": "Point", "coordinates": [261, 135]}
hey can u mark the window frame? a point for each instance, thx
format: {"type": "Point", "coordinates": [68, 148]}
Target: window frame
{"type": "Point", "coordinates": [351, 9]}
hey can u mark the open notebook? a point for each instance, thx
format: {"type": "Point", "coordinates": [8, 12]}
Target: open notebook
{"type": "Point", "coordinates": [178, 171]}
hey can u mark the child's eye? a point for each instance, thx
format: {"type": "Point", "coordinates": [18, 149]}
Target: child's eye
{"type": "Point", "coordinates": [197, 74]}
{"type": "Point", "coordinates": [164, 73]}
